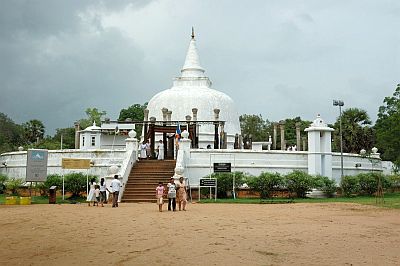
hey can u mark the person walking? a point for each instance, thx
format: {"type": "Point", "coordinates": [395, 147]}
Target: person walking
{"type": "Point", "coordinates": [181, 194]}
{"type": "Point", "coordinates": [160, 148]}
{"type": "Point", "coordinates": [171, 195]}
{"type": "Point", "coordinates": [148, 150]}
{"type": "Point", "coordinates": [103, 191]}
{"type": "Point", "coordinates": [97, 194]}
{"type": "Point", "coordinates": [143, 147]}
{"type": "Point", "coordinates": [116, 186]}
{"type": "Point", "coordinates": [91, 197]}
{"type": "Point", "coordinates": [159, 195]}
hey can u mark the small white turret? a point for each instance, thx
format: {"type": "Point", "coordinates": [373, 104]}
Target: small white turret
{"type": "Point", "coordinates": [319, 148]}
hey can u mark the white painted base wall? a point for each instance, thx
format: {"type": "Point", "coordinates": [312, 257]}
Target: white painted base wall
{"type": "Point", "coordinates": [198, 163]}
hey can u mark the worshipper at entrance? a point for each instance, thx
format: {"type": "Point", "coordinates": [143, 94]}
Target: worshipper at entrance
{"type": "Point", "coordinates": [148, 149]}
{"type": "Point", "coordinates": [181, 194]}
{"type": "Point", "coordinates": [160, 148]}
{"type": "Point", "coordinates": [143, 147]}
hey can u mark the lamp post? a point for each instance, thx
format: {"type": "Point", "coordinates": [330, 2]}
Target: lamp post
{"type": "Point", "coordinates": [340, 104]}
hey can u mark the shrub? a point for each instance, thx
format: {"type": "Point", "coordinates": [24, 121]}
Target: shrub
{"type": "Point", "coordinates": [52, 180]}
{"type": "Point", "coordinates": [326, 185]}
{"type": "Point", "coordinates": [387, 183]}
{"type": "Point", "coordinates": [299, 182]}
{"type": "Point", "coordinates": [350, 185]}
{"type": "Point", "coordinates": [368, 183]}
{"type": "Point", "coordinates": [76, 183]}
{"type": "Point", "coordinates": [13, 185]}
{"type": "Point", "coordinates": [225, 182]}
{"type": "Point", "coordinates": [266, 183]}
{"type": "Point", "coordinates": [3, 181]}
{"type": "Point", "coordinates": [393, 181]}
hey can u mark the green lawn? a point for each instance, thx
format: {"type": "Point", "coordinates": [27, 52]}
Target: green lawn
{"type": "Point", "coordinates": [45, 200]}
{"type": "Point", "coordinates": [392, 200]}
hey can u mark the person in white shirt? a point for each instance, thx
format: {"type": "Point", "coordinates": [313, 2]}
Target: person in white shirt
{"type": "Point", "coordinates": [103, 191]}
{"type": "Point", "coordinates": [160, 148]}
{"type": "Point", "coordinates": [171, 195]}
{"type": "Point", "coordinates": [143, 147]}
{"type": "Point", "coordinates": [115, 186]}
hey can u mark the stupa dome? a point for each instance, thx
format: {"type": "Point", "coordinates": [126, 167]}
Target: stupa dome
{"type": "Point", "coordinates": [193, 90]}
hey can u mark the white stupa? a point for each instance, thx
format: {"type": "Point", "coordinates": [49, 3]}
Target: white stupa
{"type": "Point", "coordinates": [193, 90]}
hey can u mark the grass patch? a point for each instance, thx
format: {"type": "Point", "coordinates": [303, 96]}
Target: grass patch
{"type": "Point", "coordinates": [45, 200]}
{"type": "Point", "coordinates": [392, 200]}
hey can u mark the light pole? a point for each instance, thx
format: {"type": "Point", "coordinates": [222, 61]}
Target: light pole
{"type": "Point", "coordinates": [340, 104]}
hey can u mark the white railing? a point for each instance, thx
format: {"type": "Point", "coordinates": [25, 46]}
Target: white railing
{"type": "Point", "coordinates": [126, 168]}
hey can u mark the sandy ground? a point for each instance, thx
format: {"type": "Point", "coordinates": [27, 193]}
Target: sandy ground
{"type": "Point", "coordinates": [206, 234]}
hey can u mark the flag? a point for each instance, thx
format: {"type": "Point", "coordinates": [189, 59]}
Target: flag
{"type": "Point", "coordinates": [177, 133]}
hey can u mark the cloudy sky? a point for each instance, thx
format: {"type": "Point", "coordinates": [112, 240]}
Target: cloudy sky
{"type": "Point", "coordinates": [280, 59]}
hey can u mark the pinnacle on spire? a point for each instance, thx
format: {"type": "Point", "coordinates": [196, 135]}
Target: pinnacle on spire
{"type": "Point", "coordinates": [192, 67]}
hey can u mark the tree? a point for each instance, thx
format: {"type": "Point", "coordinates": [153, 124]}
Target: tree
{"type": "Point", "coordinates": [387, 128]}
{"type": "Point", "coordinates": [254, 126]}
{"type": "Point", "coordinates": [11, 134]}
{"type": "Point", "coordinates": [290, 130]}
{"type": "Point", "coordinates": [68, 136]}
{"type": "Point", "coordinates": [135, 113]}
{"type": "Point", "coordinates": [357, 133]}
{"type": "Point", "coordinates": [93, 115]}
{"type": "Point", "coordinates": [33, 130]}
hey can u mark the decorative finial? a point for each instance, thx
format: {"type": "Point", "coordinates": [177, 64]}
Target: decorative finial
{"type": "Point", "coordinates": [192, 33]}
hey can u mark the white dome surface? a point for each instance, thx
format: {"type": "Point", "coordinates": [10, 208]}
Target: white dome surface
{"type": "Point", "coordinates": [193, 90]}
{"type": "Point", "coordinates": [181, 101]}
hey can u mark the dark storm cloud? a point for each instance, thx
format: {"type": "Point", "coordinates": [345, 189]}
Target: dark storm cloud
{"type": "Point", "coordinates": [56, 63]}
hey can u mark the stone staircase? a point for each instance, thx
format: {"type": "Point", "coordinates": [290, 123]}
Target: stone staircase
{"type": "Point", "coordinates": [144, 178]}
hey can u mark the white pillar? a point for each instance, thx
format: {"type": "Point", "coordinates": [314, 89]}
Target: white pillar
{"type": "Point", "coordinates": [319, 148]}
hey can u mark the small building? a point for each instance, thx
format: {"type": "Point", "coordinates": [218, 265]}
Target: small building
{"type": "Point", "coordinates": [110, 135]}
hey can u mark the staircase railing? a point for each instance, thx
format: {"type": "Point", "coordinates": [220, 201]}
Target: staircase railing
{"type": "Point", "coordinates": [127, 165]}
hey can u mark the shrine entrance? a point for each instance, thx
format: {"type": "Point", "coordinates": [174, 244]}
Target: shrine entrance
{"type": "Point", "coordinates": [168, 130]}
{"type": "Point", "coordinates": [168, 137]}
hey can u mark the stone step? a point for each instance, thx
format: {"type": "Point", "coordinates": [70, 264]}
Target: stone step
{"type": "Point", "coordinates": [144, 178]}
{"type": "Point", "coordinates": [138, 175]}
{"type": "Point", "coordinates": [149, 179]}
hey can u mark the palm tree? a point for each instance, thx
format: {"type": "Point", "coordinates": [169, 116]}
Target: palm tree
{"type": "Point", "coordinates": [357, 132]}
{"type": "Point", "coordinates": [34, 130]}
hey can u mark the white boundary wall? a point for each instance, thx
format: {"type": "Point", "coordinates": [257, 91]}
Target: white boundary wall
{"type": "Point", "coordinates": [196, 162]}
{"type": "Point", "coordinates": [13, 164]}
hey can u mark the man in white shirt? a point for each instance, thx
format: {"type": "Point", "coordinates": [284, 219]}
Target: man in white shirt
{"type": "Point", "coordinates": [115, 186]}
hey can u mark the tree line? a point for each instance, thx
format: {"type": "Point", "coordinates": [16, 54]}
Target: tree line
{"type": "Point", "coordinates": [358, 131]}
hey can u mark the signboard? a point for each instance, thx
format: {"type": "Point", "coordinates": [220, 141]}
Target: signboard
{"type": "Point", "coordinates": [70, 163]}
{"type": "Point", "coordinates": [208, 182]}
{"type": "Point", "coordinates": [36, 165]}
{"type": "Point", "coordinates": [222, 167]}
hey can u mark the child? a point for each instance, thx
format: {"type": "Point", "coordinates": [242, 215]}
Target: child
{"type": "Point", "coordinates": [159, 195]}
{"type": "Point", "coordinates": [97, 193]}
{"type": "Point", "coordinates": [171, 195]}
